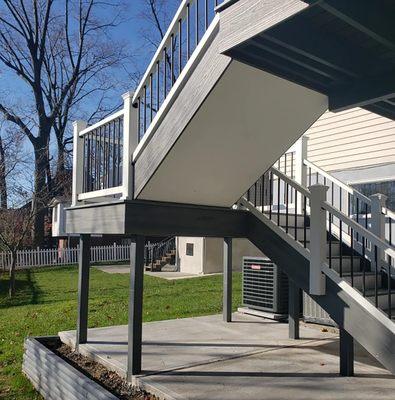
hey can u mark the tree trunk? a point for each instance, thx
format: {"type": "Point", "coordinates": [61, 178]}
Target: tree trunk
{"type": "Point", "coordinates": [40, 200]}
{"type": "Point", "coordinates": [3, 182]}
{"type": "Point", "coordinates": [11, 290]}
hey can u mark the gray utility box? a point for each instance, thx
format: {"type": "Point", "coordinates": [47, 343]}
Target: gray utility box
{"type": "Point", "coordinates": [265, 286]}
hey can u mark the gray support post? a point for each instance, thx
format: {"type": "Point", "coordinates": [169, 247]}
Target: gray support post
{"type": "Point", "coordinates": [135, 323]}
{"type": "Point", "coordinates": [227, 281]}
{"type": "Point", "coordinates": [346, 353]}
{"type": "Point", "coordinates": [293, 310]}
{"type": "Point", "coordinates": [83, 290]}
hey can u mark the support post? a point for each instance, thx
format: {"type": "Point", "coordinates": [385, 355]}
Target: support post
{"type": "Point", "coordinates": [294, 299]}
{"type": "Point", "coordinates": [78, 161]}
{"type": "Point", "coordinates": [379, 201]}
{"type": "Point", "coordinates": [227, 281]}
{"type": "Point", "coordinates": [83, 290]}
{"type": "Point", "coordinates": [130, 142]}
{"type": "Point", "coordinates": [346, 353]}
{"type": "Point", "coordinates": [318, 239]}
{"type": "Point", "coordinates": [135, 323]}
{"type": "Point", "coordinates": [300, 168]}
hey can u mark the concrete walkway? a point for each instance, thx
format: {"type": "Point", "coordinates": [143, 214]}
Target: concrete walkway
{"type": "Point", "coordinates": [168, 275]}
{"type": "Point", "coordinates": [251, 358]}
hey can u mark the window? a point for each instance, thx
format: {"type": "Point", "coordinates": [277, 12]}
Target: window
{"type": "Point", "coordinates": [189, 249]}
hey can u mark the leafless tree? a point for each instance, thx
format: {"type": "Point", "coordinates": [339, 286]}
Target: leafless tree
{"type": "Point", "coordinates": [61, 51]}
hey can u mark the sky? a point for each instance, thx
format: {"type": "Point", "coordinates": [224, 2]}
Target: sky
{"type": "Point", "coordinates": [129, 32]}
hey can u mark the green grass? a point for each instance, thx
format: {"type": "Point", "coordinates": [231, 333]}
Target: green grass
{"type": "Point", "coordinates": [45, 304]}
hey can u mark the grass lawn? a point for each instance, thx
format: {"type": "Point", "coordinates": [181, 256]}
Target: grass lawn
{"type": "Point", "coordinates": [45, 304]}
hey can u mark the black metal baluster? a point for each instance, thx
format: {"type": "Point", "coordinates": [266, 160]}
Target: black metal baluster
{"type": "Point", "coordinates": [180, 47]}
{"type": "Point", "coordinates": [157, 86]}
{"type": "Point", "coordinates": [330, 239]}
{"type": "Point", "coordinates": [120, 121]}
{"type": "Point", "coordinates": [139, 119]}
{"type": "Point", "coordinates": [205, 15]}
{"type": "Point", "coordinates": [172, 59]}
{"type": "Point", "coordinates": [296, 214]}
{"type": "Point", "coordinates": [286, 207]}
{"type": "Point", "coordinates": [263, 193]}
{"type": "Point", "coordinates": [255, 193]}
{"type": "Point", "coordinates": [376, 272]}
{"type": "Point", "coordinates": [340, 235]}
{"type": "Point", "coordinates": [188, 31]}
{"type": "Point", "coordinates": [165, 73]}
{"type": "Point", "coordinates": [151, 97]}
{"type": "Point", "coordinates": [389, 288]}
{"type": "Point", "coordinates": [278, 200]}
{"type": "Point", "coordinates": [197, 23]}
{"type": "Point", "coordinates": [352, 257]}
{"type": "Point", "coordinates": [270, 193]}
{"type": "Point", "coordinates": [357, 217]}
{"type": "Point", "coordinates": [309, 176]}
{"type": "Point", "coordinates": [114, 149]}
{"type": "Point", "coordinates": [145, 108]}
{"type": "Point", "coordinates": [304, 221]}
{"type": "Point", "coordinates": [364, 267]}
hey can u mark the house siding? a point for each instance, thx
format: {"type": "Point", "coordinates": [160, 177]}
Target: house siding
{"type": "Point", "coordinates": [351, 139]}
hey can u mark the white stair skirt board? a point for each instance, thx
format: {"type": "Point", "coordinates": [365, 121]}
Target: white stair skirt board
{"type": "Point", "coordinates": [248, 120]}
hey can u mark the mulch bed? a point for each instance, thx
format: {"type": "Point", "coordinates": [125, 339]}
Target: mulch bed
{"type": "Point", "coordinates": [108, 379]}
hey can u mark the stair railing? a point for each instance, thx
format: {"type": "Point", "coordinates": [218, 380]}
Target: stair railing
{"type": "Point", "coordinates": [369, 212]}
{"type": "Point", "coordinates": [175, 53]}
{"type": "Point", "coordinates": [155, 251]}
{"type": "Point", "coordinates": [369, 246]}
{"type": "Point", "coordinates": [275, 196]}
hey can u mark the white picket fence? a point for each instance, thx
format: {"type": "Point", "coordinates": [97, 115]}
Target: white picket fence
{"type": "Point", "coordinates": [56, 257]}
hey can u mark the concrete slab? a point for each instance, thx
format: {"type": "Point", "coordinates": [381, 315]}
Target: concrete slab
{"type": "Point", "coordinates": [171, 276]}
{"type": "Point", "coordinates": [168, 275]}
{"type": "Point", "coordinates": [205, 358]}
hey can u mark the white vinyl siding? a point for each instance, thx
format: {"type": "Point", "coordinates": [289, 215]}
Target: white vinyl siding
{"type": "Point", "coordinates": [351, 139]}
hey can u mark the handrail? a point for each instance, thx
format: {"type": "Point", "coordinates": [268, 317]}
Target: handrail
{"type": "Point", "coordinates": [375, 240]}
{"type": "Point", "coordinates": [104, 121]}
{"type": "Point", "coordinates": [291, 182]}
{"type": "Point", "coordinates": [338, 182]}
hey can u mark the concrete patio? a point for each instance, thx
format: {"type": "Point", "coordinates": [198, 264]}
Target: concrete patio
{"type": "Point", "coordinates": [250, 358]}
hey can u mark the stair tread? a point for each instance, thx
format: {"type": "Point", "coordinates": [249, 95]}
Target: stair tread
{"type": "Point", "coordinates": [380, 292]}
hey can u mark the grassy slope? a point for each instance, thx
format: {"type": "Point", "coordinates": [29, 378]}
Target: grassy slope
{"type": "Point", "coordinates": [46, 304]}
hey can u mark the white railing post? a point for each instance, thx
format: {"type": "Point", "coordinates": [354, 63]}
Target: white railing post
{"type": "Point", "coordinates": [377, 218]}
{"type": "Point", "coordinates": [300, 156]}
{"type": "Point", "coordinates": [78, 160]}
{"type": "Point", "coordinates": [318, 239]}
{"type": "Point", "coordinates": [130, 142]}
{"type": "Point", "coordinates": [300, 167]}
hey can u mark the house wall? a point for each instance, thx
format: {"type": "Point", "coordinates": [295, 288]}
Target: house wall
{"type": "Point", "coordinates": [208, 254]}
{"type": "Point", "coordinates": [352, 139]}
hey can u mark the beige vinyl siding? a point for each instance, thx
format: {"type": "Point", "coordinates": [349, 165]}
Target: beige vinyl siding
{"type": "Point", "coordinates": [351, 139]}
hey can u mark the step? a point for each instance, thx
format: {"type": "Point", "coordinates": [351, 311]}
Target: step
{"type": "Point", "coordinates": [358, 280]}
{"type": "Point", "coordinates": [346, 263]}
{"type": "Point", "coordinates": [382, 297]}
{"type": "Point", "coordinates": [335, 250]}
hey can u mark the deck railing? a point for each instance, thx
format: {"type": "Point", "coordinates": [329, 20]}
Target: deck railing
{"type": "Point", "coordinates": [178, 45]}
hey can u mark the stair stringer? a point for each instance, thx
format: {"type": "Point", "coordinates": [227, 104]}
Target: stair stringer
{"type": "Point", "coordinates": [345, 305]}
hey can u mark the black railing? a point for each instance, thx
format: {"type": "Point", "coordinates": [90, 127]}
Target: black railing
{"type": "Point", "coordinates": [184, 35]}
{"type": "Point", "coordinates": [156, 251]}
{"type": "Point", "coordinates": [103, 149]}
{"type": "Point", "coordinates": [352, 251]}
{"type": "Point", "coordinates": [362, 258]}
